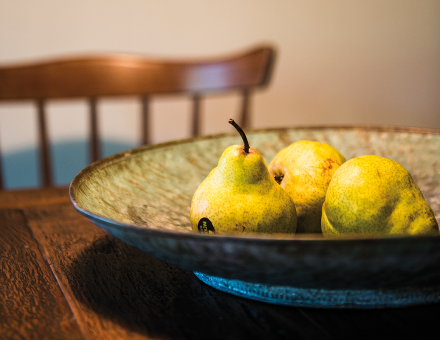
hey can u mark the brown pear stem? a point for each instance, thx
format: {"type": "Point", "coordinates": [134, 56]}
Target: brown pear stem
{"type": "Point", "coordinates": [242, 134]}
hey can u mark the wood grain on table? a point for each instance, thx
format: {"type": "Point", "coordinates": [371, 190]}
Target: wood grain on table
{"type": "Point", "coordinates": [64, 278]}
{"type": "Point", "coordinates": [32, 304]}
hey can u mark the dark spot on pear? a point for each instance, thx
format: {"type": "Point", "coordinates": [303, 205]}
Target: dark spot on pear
{"type": "Point", "coordinates": [434, 224]}
{"type": "Point", "coordinates": [325, 170]}
{"type": "Point", "coordinates": [279, 179]}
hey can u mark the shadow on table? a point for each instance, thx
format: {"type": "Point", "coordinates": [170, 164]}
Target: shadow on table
{"type": "Point", "coordinates": [156, 298]}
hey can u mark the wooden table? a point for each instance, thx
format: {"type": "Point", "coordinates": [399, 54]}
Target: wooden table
{"type": "Point", "coordinates": [61, 277]}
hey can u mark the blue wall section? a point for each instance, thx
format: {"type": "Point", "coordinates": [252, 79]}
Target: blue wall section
{"type": "Point", "coordinates": [21, 168]}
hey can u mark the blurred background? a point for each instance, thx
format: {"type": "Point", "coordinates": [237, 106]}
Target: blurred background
{"type": "Point", "coordinates": [339, 62]}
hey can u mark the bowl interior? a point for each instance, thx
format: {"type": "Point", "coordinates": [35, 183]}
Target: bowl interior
{"type": "Point", "coordinates": [152, 186]}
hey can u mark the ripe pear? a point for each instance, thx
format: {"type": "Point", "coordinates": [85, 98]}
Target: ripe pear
{"type": "Point", "coordinates": [375, 196]}
{"type": "Point", "coordinates": [304, 170]}
{"type": "Point", "coordinates": [240, 196]}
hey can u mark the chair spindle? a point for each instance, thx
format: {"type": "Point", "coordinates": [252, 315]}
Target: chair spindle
{"type": "Point", "coordinates": [1, 173]}
{"type": "Point", "coordinates": [244, 116]}
{"type": "Point", "coordinates": [145, 133]}
{"type": "Point", "coordinates": [94, 136]}
{"type": "Point", "coordinates": [196, 115]}
{"type": "Point", "coordinates": [46, 171]}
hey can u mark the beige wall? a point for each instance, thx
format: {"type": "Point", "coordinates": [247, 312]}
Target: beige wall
{"type": "Point", "coordinates": [339, 62]}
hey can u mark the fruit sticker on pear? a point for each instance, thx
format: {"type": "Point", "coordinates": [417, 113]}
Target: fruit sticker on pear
{"type": "Point", "coordinates": [205, 226]}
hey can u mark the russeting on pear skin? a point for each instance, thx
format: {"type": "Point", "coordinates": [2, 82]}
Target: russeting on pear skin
{"type": "Point", "coordinates": [375, 196]}
{"type": "Point", "coordinates": [304, 170]}
{"type": "Point", "coordinates": [240, 196]}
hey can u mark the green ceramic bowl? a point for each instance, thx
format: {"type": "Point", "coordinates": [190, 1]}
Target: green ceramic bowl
{"type": "Point", "coordinates": [143, 198]}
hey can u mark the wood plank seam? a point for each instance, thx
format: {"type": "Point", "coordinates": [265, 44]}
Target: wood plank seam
{"type": "Point", "coordinates": [79, 317]}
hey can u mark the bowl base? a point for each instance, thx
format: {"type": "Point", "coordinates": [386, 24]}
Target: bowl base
{"type": "Point", "coordinates": [325, 298]}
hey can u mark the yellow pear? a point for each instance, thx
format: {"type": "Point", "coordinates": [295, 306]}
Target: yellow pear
{"type": "Point", "coordinates": [375, 196]}
{"type": "Point", "coordinates": [240, 196]}
{"type": "Point", "coordinates": [304, 170]}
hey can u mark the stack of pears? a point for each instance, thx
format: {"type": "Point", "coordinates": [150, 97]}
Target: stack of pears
{"type": "Point", "coordinates": [240, 196]}
{"type": "Point", "coordinates": [309, 188]}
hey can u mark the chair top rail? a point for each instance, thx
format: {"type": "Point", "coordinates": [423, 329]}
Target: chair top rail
{"type": "Point", "coordinates": [119, 75]}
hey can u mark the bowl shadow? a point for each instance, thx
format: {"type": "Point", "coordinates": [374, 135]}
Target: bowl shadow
{"type": "Point", "coordinates": [150, 296]}
{"type": "Point", "coordinates": [158, 299]}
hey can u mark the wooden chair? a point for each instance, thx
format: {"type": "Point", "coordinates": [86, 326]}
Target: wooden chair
{"type": "Point", "coordinates": [114, 75]}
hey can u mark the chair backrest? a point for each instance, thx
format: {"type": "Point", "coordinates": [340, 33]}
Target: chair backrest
{"type": "Point", "coordinates": [118, 75]}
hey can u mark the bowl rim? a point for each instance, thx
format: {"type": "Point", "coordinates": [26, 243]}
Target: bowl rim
{"type": "Point", "coordinates": [260, 238]}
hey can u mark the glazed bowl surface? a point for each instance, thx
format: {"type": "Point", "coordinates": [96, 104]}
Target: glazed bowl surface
{"type": "Point", "coordinates": [143, 196]}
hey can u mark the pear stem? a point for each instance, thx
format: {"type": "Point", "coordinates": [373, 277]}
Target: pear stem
{"type": "Point", "coordinates": [242, 134]}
